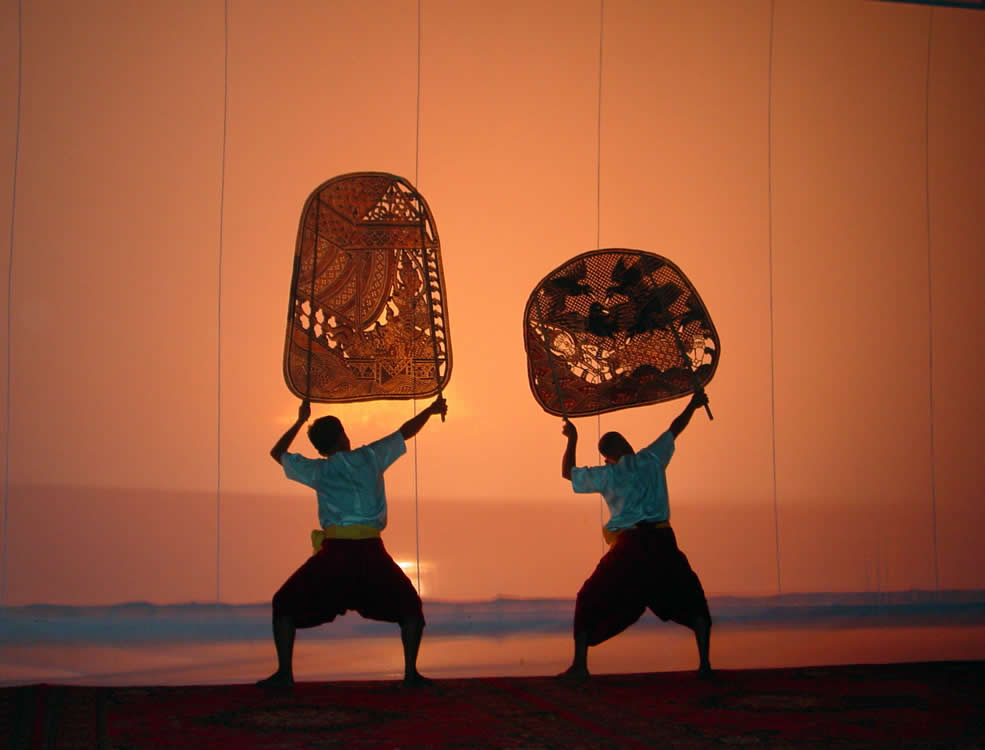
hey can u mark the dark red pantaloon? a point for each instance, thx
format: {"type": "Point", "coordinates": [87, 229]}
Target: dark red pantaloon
{"type": "Point", "coordinates": [643, 568]}
{"type": "Point", "coordinates": [345, 574]}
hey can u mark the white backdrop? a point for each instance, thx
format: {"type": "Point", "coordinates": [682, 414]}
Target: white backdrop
{"type": "Point", "coordinates": [816, 168]}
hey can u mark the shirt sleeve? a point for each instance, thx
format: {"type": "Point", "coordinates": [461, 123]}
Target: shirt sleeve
{"type": "Point", "coordinates": [387, 450]}
{"type": "Point", "coordinates": [662, 448]}
{"type": "Point", "coordinates": [299, 468]}
{"type": "Point", "coordinates": [589, 478]}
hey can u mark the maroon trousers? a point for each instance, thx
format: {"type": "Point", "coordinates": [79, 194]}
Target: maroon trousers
{"type": "Point", "coordinates": [643, 568]}
{"type": "Point", "coordinates": [346, 574]}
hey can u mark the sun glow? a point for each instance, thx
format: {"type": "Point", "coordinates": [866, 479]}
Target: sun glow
{"type": "Point", "coordinates": [388, 414]}
{"type": "Point", "coordinates": [410, 569]}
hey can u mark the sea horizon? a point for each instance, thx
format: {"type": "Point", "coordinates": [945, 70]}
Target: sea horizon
{"type": "Point", "coordinates": [141, 621]}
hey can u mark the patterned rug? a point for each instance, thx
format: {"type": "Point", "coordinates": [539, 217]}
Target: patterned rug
{"type": "Point", "coordinates": [938, 704]}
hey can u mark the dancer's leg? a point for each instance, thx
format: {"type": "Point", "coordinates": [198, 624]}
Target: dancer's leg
{"type": "Point", "coordinates": [284, 631]}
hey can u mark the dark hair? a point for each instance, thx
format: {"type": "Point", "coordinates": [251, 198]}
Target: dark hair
{"type": "Point", "coordinates": [613, 445]}
{"type": "Point", "coordinates": [324, 433]}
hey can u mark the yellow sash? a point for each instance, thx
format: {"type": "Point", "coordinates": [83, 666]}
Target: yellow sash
{"type": "Point", "coordinates": [611, 536]}
{"type": "Point", "coordinates": [355, 531]}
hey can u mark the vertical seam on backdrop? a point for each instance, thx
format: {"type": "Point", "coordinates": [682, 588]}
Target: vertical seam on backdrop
{"type": "Point", "coordinates": [417, 187]}
{"type": "Point", "coordinates": [417, 111]}
{"type": "Point", "coordinates": [598, 212]}
{"type": "Point", "coordinates": [222, 210]}
{"type": "Point", "coordinates": [930, 300]}
{"type": "Point", "coordinates": [769, 222]}
{"type": "Point", "coordinates": [10, 289]}
{"type": "Point", "coordinates": [598, 134]}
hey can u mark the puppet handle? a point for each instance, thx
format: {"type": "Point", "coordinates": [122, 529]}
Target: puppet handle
{"type": "Point", "coordinates": [550, 357]}
{"type": "Point", "coordinates": [426, 271]}
{"type": "Point", "coordinates": [694, 375]}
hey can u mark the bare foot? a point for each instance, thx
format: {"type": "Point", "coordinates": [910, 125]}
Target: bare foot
{"type": "Point", "coordinates": [416, 679]}
{"type": "Point", "coordinates": [574, 674]}
{"type": "Point", "coordinates": [277, 681]}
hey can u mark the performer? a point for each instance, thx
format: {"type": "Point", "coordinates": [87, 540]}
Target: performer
{"type": "Point", "coordinates": [350, 568]}
{"type": "Point", "coordinates": [643, 567]}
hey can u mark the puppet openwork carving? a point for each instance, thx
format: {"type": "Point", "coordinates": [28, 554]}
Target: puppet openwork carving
{"type": "Point", "coordinates": [613, 328]}
{"type": "Point", "coordinates": [368, 316]}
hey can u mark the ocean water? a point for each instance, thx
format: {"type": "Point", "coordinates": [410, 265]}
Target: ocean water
{"type": "Point", "coordinates": [137, 644]}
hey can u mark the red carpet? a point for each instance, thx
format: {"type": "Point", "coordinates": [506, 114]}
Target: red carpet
{"type": "Point", "coordinates": [896, 705]}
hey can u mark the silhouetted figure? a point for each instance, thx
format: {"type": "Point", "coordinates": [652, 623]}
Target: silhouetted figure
{"type": "Point", "coordinates": [628, 280]}
{"type": "Point", "coordinates": [608, 322]}
{"type": "Point", "coordinates": [693, 313]}
{"type": "Point", "coordinates": [558, 290]}
{"type": "Point", "coordinates": [644, 566]}
{"type": "Point", "coordinates": [351, 569]}
{"type": "Point", "coordinates": [653, 309]}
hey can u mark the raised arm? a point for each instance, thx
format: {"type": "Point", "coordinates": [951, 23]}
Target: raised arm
{"type": "Point", "coordinates": [698, 399]}
{"type": "Point", "coordinates": [281, 446]}
{"type": "Point", "coordinates": [568, 459]}
{"type": "Point", "coordinates": [413, 425]}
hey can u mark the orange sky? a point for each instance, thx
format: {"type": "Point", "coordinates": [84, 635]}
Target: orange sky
{"type": "Point", "coordinates": [151, 263]}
